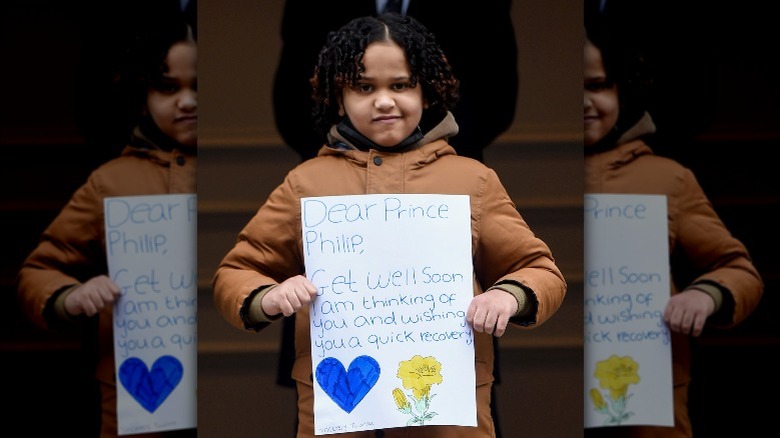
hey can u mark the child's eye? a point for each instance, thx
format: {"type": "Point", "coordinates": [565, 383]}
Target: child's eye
{"type": "Point", "coordinates": [165, 87]}
{"type": "Point", "coordinates": [363, 88]}
{"type": "Point", "coordinates": [400, 86]}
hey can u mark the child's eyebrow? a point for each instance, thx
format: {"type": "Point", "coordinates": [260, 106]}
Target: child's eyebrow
{"type": "Point", "coordinates": [165, 77]}
{"type": "Point", "coordinates": [363, 77]}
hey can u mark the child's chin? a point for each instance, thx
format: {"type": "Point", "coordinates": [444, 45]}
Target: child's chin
{"type": "Point", "coordinates": [188, 140]}
{"type": "Point", "coordinates": [386, 142]}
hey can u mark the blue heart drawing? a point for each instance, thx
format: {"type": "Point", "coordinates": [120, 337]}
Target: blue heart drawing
{"type": "Point", "coordinates": [150, 388]}
{"type": "Point", "coordinates": [348, 387]}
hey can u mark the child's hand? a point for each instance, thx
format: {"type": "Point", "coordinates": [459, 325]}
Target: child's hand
{"type": "Point", "coordinates": [289, 296]}
{"type": "Point", "coordinates": [489, 312]}
{"type": "Point", "coordinates": [687, 311]}
{"type": "Point", "coordinates": [91, 297]}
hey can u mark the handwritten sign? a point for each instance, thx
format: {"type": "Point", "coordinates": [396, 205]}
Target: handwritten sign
{"type": "Point", "coordinates": [628, 375]}
{"type": "Point", "coordinates": [389, 339]}
{"type": "Point", "coordinates": [151, 244]}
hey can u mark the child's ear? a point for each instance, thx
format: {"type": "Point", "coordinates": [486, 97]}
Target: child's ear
{"type": "Point", "coordinates": [342, 113]}
{"type": "Point", "coordinates": [425, 103]}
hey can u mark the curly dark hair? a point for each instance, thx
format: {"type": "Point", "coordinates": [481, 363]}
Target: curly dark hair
{"type": "Point", "coordinates": [143, 66]}
{"type": "Point", "coordinates": [340, 64]}
{"type": "Point", "coordinates": [626, 65]}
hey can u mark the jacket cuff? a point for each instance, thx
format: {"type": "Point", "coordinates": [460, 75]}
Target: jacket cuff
{"type": "Point", "coordinates": [527, 304]}
{"type": "Point", "coordinates": [251, 311]}
{"type": "Point", "coordinates": [712, 291]}
{"type": "Point", "coordinates": [54, 312]}
{"type": "Point", "coordinates": [724, 301]}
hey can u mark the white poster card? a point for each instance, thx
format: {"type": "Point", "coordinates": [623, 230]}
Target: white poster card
{"type": "Point", "coordinates": [628, 366]}
{"type": "Point", "coordinates": [151, 243]}
{"type": "Point", "coordinates": [389, 339]}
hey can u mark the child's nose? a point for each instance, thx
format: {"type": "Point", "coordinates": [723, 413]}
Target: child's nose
{"type": "Point", "coordinates": [384, 100]}
{"type": "Point", "coordinates": [189, 100]}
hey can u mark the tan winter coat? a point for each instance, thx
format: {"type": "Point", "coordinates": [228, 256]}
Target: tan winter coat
{"type": "Point", "coordinates": [698, 240]}
{"type": "Point", "coordinates": [269, 249]}
{"type": "Point", "coordinates": [72, 248]}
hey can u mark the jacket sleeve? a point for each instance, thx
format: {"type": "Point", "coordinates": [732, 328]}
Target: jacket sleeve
{"type": "Point", "coordinates": [69, 252]}
{"type": "Point", "coordinates": [507, 250]}
{"type": "Point", "coordinates": [712, 254]}
{"type": "Point", "coordinates": [266, 252]}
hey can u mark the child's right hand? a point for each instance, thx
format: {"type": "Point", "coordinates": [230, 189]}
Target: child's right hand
{"type": "Point", "coordinates": [289, 296]}
{"type": "Point", "coordinates": [687, 311]}
{"type": "Point", "coordinates": [91, 297]}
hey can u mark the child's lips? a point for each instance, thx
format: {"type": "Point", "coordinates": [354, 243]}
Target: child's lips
{"type": "Point", "coordinates": [187, 119]}
{"type": "Point", "coordinates": [386, 119]}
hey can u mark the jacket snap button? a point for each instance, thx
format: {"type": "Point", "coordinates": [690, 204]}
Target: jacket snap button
{"type": "Point", "coordinates": [378, 161]}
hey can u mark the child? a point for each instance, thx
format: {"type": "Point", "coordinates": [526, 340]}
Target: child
{"type": "Point", "coordinates": [713, 279]}
{"type": "Point", "coordinates": [64, 281]}
{"type": "Point", "coordinates": [491, 30]}
{"type": "Point", "coordinates": [383, 90]}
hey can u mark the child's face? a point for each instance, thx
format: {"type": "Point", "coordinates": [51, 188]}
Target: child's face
{"type": "Point", "coordinates": [601, 97]}
{"type": "Point", "coordinates": [383, 106]}
{"type": "Point", "coordinates": [173, 104]}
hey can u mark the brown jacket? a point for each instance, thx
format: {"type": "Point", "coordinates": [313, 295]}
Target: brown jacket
{"type": "Point", "coordinates": [698, 242]}
{"type": "Point", "coordinates": [72, 248]}
{"type": "Point", "coordinates": [504, 249]}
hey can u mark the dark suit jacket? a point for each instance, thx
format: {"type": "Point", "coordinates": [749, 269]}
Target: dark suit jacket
{"type": "Point", "coordinates": [479, 42]}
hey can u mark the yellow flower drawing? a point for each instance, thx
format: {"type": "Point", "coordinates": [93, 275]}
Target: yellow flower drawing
{"type": "Point", "coordinates": [400, 400]}
{"type": "Point", "coordinates": [598, 400]}
{"type": "Point", "coordinates": [615, 374]}
{"type": "Point", "coordinates": [418, 374]}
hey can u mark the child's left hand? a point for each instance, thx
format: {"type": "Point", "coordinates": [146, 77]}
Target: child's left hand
{"type": "Point", "coordinates": [688, 310]}
{"type": "Point", "coordinates": [489, 312]}
{"type": "Point", "coordinates": [289, 296]}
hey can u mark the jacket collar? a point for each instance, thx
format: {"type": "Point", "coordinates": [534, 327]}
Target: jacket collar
{"type": "Point", "coordinates": [444, 129]}
{"type": "Point", "coordinates": [430, 147]}
{"type": "Point", "coordinates": [146, 135]}
{"type": "Point", "coordinates": [357, 140]}
{"type": "Point", "coordinates": [154, 144]}
{"type": "Point", "coordinates": [628, 146]}
{"type": "Point", "coordinates": [644, 126]}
